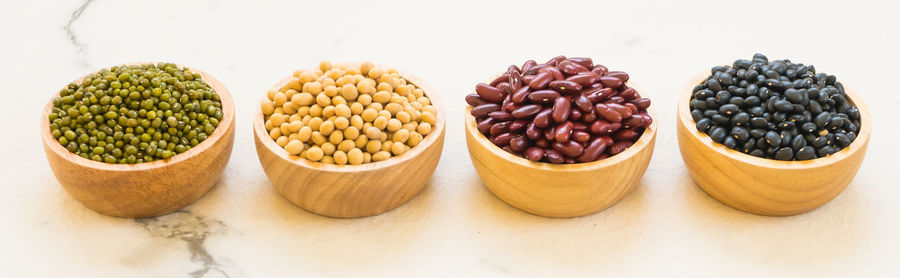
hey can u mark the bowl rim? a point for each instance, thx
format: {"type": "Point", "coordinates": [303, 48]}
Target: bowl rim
{"type": "Point", "coordinates": [221, 130]}
{"type": "Point", "coordinates": [685, 119]}
{"type": "Point", "coordinates": [646, 140]}
{"type": "Point", "coordinates": [261, 134]}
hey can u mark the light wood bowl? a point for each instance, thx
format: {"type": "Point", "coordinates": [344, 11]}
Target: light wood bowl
{"type": "Point", "coordinates": [767, 186]}
{"type": "Point", "coordinates": [560, 190]}
{"type": "Point", "coordinates": [350, 191]}
{"type": "Point", "coordinates": [150, 188]}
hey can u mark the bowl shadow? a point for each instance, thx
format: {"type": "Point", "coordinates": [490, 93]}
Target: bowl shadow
{"type": "Point", "coordinates": [826, 234]}
{"type": "Point", "coordinates": [590, 240]}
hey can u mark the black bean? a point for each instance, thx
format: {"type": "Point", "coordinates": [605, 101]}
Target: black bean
{"type": "Point", "coordinates": [719, 119]}
{"type": "Point", "coordinates": [729, 109]}
{"type": "Point", "coordinates": [698, 104]}
{"type": "Point", "coordinates": [722, 97]}
{"type": "Point", "coordinates": [808, 127]}
{"type": "Point", "coordinates": [740, 119]}
{"type": "Point", "coordinates": [798, 142]}
{"type": "Point", "coordinates": [785, 153]}
{"type": "Point", "coordinates": [730, 142]}
{"type": "Point", "coordinates": [697, 114]}
{"type": "Point", "coordinates": [842, 139]}
{"type": "Point", "coordinates": [714, 85]}
{"type": "Point", "coordinates": [806, 153]}
{"type": "Point", "coordinates": [794, 95]}
{"type": "Point", "coordinates": [773, 138]}
{"type": "Point", "coordinates": [757, 133]}
{"type": "Point", "coordinates": [704, 124]}
{"type": "Point", "coordinates": [826, 150]}
{"type": "Point", "coordinates": [740, 133]}
{"type": "Point", "coordinates": [718, 134]}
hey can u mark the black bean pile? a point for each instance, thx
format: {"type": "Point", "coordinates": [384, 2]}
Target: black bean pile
{"type": "Point", "coordinates": [777, 110]}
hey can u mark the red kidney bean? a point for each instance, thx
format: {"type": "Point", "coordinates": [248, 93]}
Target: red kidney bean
{"type": "Point", "coordinates": [498, 128]}
{"type": "Point", "coordinates": [527, 79]}
{"type": "Point", "coordinates": [634, 121]}
{"type": "Point", "coordinates": [583, 103]}
{"type": "Point", "coordinates": [607, 113]}
{"type": "Point", "coordinates": [565, 86]}
{"type": "Point", "coordinates": [541, 80]}
{"type": "Point", "coordinates": [484, 126]}
{"type": "Point", "coordinates": [501, 78]}
{"type": "Point", "coordinates": [600, 70]}
{"type": "Point", "coordinates": [543, 96]}
{"type": "Point", "coordinates": [561, 109]}
{"type": "Point", "coordinates": [575, 115]}
{"type": "Point", "coordinates": [631, 106]}
{"type": "Point", "coordinates": [568, 148]}
{"type": "Point", "coordinates": [519, 143]}
{"type": "Point", "coordinates": [515, 80]}
{"type": "Point", "coordinates": [518, 125]}
{"type": "Point", "coordinates": [489, 93]}
{"type": "Point", "coordinates": [529, 112]}
{"type": "Point", "coordinates": [581, 136]}
{"type": "Point", "coordinates": [602, 127]}
{"type": "Point", "coordinates": [474, 100]}
{"type": "Point", "coordinates": [484, 109]}
{"type": "Point", "coordinates": [553, 156]}
{"type": "Point", "coordinates": [616, 99]}
{"type": "Point", "coordinates": [526, 111]}
{"type": "Point", "coordinates": [542, 142]}
{"type": "Point", "coordinates": [502, 139]}
{"type": "Point", "coordinates": [505, 87]}
{"type": "Point", "coordinates": [571, 68]}
{"type": "Point", "coordinates": [534, 154]}
{"type": "Point", "coordinates": [621, 75]}
{"type": "Point", "coordinates": [583, 61]}
{"type": "Point", "coordinates": [592, 151]}
{"type": "Point", "coordinates": [543, 118]}
{"type": "Point", "coordinates": [585, 79]}
{"type": "Point", "coordinates": [553, 71]}
{"type": "Point", "coordinates": [619, 147]}
{"type": "Point", "coordinates": [579, 126]}
{"type": "Point", "coordinates": [549, 133]}
{"type": "Point", "coordinates": [563, 131]}
{"type": "Point", "coordinates": [500, 116]}
{"type": "Point", "coordinates": [626, 135]}
{"type": "Point", "coordinates": [641, 103]}
{"type": "Point", "coordinates": [621, 109]}
{"type": "Point", "coordinates": [533, 132]}
{"type": "Point", "coordinates": [555, 61]}
{"type": "Point", "coordinates": [527, 65]}
{"type": "Point", "coordinates": [628, 94]}
{"type": "Point", "coordinates": [611, 81]}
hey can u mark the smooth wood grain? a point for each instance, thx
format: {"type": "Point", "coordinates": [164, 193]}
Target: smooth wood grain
{"type": "Point", "coordinates": [144, 189]}
{"type": "Point", "coordinates": [559, 190]}
{"type": "Point", "coordinates": [349, 191]}
{"type": "Point", "coordinates": [766, 186]}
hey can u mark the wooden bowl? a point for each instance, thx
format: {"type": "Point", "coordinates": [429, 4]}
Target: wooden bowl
{"type": "Point", "coordinates": [767, 186]}
{"type": "Point", "coordinates": [560, 190]}
{"type": "Point", "coordinates": [144, 189]}
{"type": "Point", "coordinates": [350, 191]}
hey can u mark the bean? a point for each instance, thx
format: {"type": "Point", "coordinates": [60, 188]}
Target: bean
{"type": "Point", "coordinates": [499, 79]}
{"type": "Point", "coordinates": [526, 111]}
{"type": "Point", "coordinates": [543, 96]}
{"type": "Point", "coordinates": [501, 116]}
{"type": "Point", "coordinates": [626, 135]}
{"type": "Point", "coordinates": [602, 127]}
{"type": "Point", "coordinates": [565, 86]}
{"type": "Point", "coordinates": [520, 95]}
{"type": "Point", "coordinates": [619, 147]}
{"type": "Point", "coordinates": [484, 126]}
{"type": "Point", "coordinates": [502, 139]}
{"type": "Point", "coordinates": [625, 112]}
{"type": "Point", "coordinates": [607, 113]}
{"type": "Point", "coordinates": [583, 103]}
{"type": "Point", "coordinates": [533, 132]}
{"type": "Point", "coordinates": [580, 136]}
{"type": "Point", "coordinates": [584, 79]}
{"type": "Point", "coordinates": [541, 80]}
{"type": "Point", "coordinates": [611, 81]}
{"type": "Point", "coordinates": [518, 125]}
{"type": "Point", "coordinates": [498, 128]}
{"type": "Point", "coordinates": [593, 150]}
{"type": "Point", "coordinates": [518, 143]}
{"type": "Point", "coordinates": [554, 156]}
{"type": "Point", "coordinates": [484, 109]}
{"type": "Point", "coordinates": [534, 153]}
{"type": "Point", "coordinates": [543, 118]}
{"type": "Point", "coordinates": [570, 68]}
{"type": "Point", "coordinates": [600, 70]}
{"type": "Point", "coordinates": [568, 148]}
{"type": "Point", "coordinates": [563, 131]}
{"type": "Point", "coordinates": [583, 61]}
{"type": "Point", "coordinates": [489, 93]}
{"type": "Point", "coordinates": [621, 75]}
{"type": "Point", "coordinates": [561, 109]}
{"type": "Point", "coordinates": [554, 71]}
{"type": "Point", "coordinates": [641, 103]}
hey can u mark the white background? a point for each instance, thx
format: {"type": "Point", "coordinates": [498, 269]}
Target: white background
{"type": "Point", "coordinates": [455, 227]}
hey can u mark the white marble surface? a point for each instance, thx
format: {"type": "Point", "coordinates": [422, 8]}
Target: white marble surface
{"type": "Point", "coordinates": [455, 227]}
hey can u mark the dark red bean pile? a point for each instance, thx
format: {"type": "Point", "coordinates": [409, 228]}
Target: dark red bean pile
{"type": "Point", "coordinates": [567, 110]}
{"type": "Point", "coordinates": [777, 110]}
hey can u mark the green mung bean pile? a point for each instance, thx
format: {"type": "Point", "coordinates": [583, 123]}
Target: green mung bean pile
{"type": "Point", "coordinates": [135, 113]}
